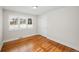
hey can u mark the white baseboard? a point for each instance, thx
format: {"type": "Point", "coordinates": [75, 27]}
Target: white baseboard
{"type": "Point", "coordinates": [19, 37]}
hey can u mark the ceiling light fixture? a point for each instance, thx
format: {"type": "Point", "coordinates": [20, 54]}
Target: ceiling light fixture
{"type": "Point", "coordinates": [35, 7]}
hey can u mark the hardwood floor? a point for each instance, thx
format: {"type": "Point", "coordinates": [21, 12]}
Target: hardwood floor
{"type": "Point", "coordinates": [36, 43]}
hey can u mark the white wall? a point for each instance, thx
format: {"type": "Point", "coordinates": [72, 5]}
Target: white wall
{"type": "Point", "coordinates": [1, 31]}
{"type": "Point", "coordinates": [61, 25]}
{"type": "Point", "coordinates": [11, 35]}
{"type": "Point", "coordinates": [1, 23]}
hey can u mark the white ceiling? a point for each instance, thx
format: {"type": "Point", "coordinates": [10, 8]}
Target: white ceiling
{"type": "Point", "coordinates": [29, 9]}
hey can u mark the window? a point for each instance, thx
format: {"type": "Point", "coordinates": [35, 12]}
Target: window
{"type": "Point", "coordinates": [13, 23]}
{"type": "Point", "coordinates": [23, 23]}
{"type": "Point", "coordinates": [30, 25]}
{"type": "Point", "coordinates": [17, 23]}
{"type": "Point", "coordinates": [29, 21]}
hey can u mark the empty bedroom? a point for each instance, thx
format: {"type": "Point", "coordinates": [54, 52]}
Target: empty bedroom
{"type": "Point", "coordinates": [39, 28]}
